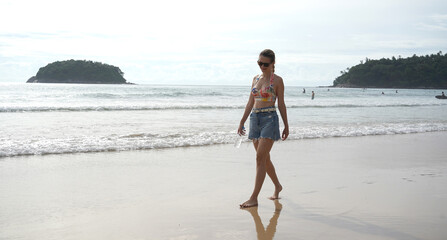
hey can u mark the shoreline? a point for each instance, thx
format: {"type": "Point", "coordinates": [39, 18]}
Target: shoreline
{"type": "Point", "coordinates": [370, 187]}
{"type": "Point", "coordinates": [208, 145]}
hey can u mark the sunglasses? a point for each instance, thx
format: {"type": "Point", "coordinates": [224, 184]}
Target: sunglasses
{"type": "Point", "coordinates": [265, 64]}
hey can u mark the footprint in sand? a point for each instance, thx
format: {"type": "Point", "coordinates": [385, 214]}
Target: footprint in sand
{"type": "Point", "coordinates": [408, 180]}
{"type": "Point", "coordinates": [428, 174]}
{"type": "Point", "coordinates": [310, 192]}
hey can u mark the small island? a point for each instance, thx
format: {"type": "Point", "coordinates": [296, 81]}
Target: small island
{"type": "Point", "coordinates": [79, 71]}
{"type": "Point", "coordinates": [428, 72]}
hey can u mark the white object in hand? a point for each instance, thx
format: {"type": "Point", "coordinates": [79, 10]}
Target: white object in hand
{"type": "Point", "coordinates": [238, 141]}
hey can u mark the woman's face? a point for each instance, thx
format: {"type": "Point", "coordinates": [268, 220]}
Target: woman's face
{"type": "Point", "coordinates": [263, 61]}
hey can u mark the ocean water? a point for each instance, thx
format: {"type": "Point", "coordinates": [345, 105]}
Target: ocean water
{"type": "Point", "coordinates": [71, 118]}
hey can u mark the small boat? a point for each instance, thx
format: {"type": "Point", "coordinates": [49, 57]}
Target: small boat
{"type": "Point", "coordinates": [441, 97]}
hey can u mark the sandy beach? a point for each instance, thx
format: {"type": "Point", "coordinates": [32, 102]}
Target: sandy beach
{"type": "Point", "coordinates": [374, 187]}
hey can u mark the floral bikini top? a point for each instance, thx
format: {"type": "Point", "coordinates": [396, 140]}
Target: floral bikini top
{"type": "Point", "coordinates": [265, 95]}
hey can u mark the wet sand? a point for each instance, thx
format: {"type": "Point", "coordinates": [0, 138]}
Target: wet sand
{"type": "Point", "coordinates": [376, 187]}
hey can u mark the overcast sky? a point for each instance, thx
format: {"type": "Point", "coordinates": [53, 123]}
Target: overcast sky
{"type": "Point", "coordinates": [216, 42]}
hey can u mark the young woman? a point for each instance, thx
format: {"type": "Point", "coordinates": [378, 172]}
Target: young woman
{"type": "Point", "coordinates": [264, 124]}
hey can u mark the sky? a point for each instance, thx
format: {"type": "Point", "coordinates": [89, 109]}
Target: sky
{"type": "Point", "coordinates": [206, 42]}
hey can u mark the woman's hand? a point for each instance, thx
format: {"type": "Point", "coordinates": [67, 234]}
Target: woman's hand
{"type": "Point", "coordinates": [285, 133]}
{"type": "Point", "coordinates": [241, 130]}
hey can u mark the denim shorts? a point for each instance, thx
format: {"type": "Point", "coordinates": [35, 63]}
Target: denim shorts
{"type": "Point", "coordinates": [264, 125]}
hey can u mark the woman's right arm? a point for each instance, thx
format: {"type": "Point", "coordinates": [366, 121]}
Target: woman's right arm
{"type": "Point", "coordinates": [248, 108]}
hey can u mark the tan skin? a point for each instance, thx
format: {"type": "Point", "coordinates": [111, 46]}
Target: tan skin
{"type": "Point", "coordinates": [264, 145]}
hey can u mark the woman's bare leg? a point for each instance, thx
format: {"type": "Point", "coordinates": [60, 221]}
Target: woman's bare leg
{"type": "Point", "coordinates": [272, 174]}
{"type": "Point", "coordinates": [262, 154]}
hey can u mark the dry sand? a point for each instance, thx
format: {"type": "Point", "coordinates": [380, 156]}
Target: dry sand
{"type": "Point", "coordinates": [377, 187]}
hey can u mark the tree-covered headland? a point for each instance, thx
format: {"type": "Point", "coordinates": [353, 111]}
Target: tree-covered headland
{"type": "Point", "coordinates": [429, 71]}
{"type": "Point", "coordinates": [79, 71]}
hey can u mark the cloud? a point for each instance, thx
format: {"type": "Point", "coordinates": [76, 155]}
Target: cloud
{"type": "Point", "coordinates": [438, 22]}
{"type": "Point", "coordinates": [202, 41]}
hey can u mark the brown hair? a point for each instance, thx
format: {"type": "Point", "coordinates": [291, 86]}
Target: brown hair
{"type": "Point", "coordinates": [268, 53]}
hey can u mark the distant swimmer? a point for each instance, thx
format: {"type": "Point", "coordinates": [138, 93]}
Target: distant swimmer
{"type": "Point", "coordinates": [304, 90]}
{"type": "Point", "coordinates": [383, 93]}
{"type": "Point", "coordinates": [397, 91]}
{"type": "Point", "coordinates": [442, 96]}
{"type": "Point", "coordinates": [313, 95]}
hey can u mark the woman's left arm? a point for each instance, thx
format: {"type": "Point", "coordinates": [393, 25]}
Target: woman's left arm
{"type": "Point", "coordinates": [282, 107]}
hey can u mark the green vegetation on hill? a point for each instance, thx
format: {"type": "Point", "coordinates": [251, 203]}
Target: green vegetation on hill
{"type": "Point", "coordinates": [79, 71]}
{"type": "Point", "coordinates": [428, 71]}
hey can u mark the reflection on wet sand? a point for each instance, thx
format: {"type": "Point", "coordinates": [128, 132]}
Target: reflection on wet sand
{"type": "Point", "coordinates": [269, 232]}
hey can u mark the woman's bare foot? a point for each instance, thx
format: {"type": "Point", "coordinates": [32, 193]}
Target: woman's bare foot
{"type": "Point", "coordinates": [249, 203]}
{"type": "Point", "coordinates": [276, 193]}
